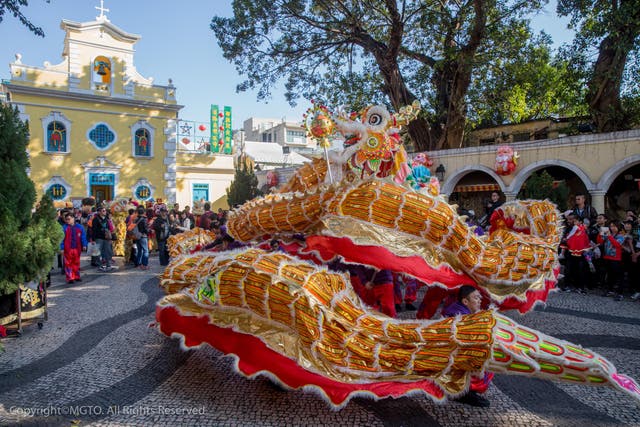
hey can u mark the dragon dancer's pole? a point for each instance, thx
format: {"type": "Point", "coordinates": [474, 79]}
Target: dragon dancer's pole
{"type": "Point", "coordinates": [326, 157]}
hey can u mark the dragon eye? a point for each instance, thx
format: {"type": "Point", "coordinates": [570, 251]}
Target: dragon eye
{"type": "Point", "coordinates": [372, 142]}
{"type": "Point", "coordinates": [375, 119]}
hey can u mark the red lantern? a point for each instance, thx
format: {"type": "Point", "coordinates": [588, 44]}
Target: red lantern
{"type": "Point", "coordinates": [186, 141]}
{"type": "Point", "coordinates": [220, 142]}
{"type": "Point", "coordinates": [221, 115]}
{"type": "Point", "coordinates": [221, 127]}
{"type": "Point", "coordinates": [202, 127]}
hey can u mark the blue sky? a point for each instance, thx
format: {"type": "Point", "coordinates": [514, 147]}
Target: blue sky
{"type": "Point", "coordinates": [176, 43]}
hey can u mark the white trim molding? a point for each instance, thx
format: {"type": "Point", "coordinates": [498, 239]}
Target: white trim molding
{"type": "Point", "coordinates": [98, 166]}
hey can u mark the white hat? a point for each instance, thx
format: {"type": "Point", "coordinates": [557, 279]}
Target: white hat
{"type": "Point", "coordinates": [471, 212]}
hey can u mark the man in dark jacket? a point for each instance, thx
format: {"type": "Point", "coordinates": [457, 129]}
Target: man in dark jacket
{"type": "Point", "coordinates": [142, 244]}
{"type": "Point", "coordinates": [163, 231]}
{"type": "Point", "coordinates": [102, 231]}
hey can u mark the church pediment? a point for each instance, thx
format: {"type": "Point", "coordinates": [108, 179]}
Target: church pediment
{"type": "Point", "coordinates": [101, 162]}
{"type": "Point", "coordinates": [99, 27]}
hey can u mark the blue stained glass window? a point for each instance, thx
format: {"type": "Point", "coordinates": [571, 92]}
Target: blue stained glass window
{"type": "Point", "coordinates": [102, 136]}
{"type": "Point", "coordinates": [56, 137]}
{"type": "Point", "coordinates": [143, 192]}
{"type": "Point", "coordinates": [57, 192]}
{"type": "Point", "coordinates": [142, 143]}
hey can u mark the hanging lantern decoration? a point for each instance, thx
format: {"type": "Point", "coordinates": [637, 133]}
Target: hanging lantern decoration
{"type": "Point", "coordinates": [186, 141]}
{"type": "Point", "coordinates": [202, 128]}
{"type": "Point", "coordinates": [220, 142]}
{"type": "Point", "coordinates": [319, 125]}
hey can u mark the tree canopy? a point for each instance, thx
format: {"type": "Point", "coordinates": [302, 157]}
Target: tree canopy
{"type": "Point", "coordinates": [352, 52]}
{"type": "Point", "coordinates": [605, 54]}
{"type": "Point", "coordinates": [244, 186]}
{"type": "Point", "coordinates": [28, 242]}
{"type": "Point", "coordinates": [14, 7]}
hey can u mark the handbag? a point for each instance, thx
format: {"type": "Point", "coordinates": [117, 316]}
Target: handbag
{"type": "Point", "coordinates": [93, 249]}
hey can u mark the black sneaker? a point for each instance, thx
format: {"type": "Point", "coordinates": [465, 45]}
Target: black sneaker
{"type": "Point", "coordinates": [472, 398]}
{"type": "Point", "coordinates": [410, 306]}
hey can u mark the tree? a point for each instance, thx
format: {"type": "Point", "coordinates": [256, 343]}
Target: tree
{"type": "Point", "coordinates": [353, 50]}
{"type": "Point", "coordinates": [244, 185]}
{"type": "Point", "coordinates": [14, 6]}
{"type": "Point", "coordinates": [610, 31]}
{"type": "Point", "coordinates": [540, 186]}
{"type": "Point", "coordinates": [526, 83]}
{"type": "Point", "coordinates": [28, 243]}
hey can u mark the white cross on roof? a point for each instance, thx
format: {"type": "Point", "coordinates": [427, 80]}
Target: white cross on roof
{"type": "Point", "coordinates": [102, 10]}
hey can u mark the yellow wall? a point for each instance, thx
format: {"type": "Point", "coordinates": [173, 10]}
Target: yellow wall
{"type": "Point", "coordinates": [72, 89]}
{"type": "Point", "coordinates": [84, 117]}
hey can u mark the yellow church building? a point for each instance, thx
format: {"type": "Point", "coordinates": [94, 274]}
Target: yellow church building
{"type": "Point", "coordinates": [97, 127]}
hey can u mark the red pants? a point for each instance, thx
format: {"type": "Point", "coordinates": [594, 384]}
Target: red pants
{"type": "Point", "coordinates": [72, 264]}
{"type": "Point", "coordinates": [410, 292]}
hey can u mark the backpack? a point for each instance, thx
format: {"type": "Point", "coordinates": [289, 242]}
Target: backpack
{"type": "Point", "coordinates": [133, 231]}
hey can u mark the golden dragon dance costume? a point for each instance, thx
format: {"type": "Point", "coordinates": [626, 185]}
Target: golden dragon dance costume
{"type": "Point", "coordinates": [287, 316]}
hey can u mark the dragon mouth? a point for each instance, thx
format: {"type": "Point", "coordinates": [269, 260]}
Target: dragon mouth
{"type": "Point", "coordinates": [351, 140]}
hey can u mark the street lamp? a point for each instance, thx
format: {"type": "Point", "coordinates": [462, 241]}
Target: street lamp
{"type": "Point", "coordinates": [440, 171]}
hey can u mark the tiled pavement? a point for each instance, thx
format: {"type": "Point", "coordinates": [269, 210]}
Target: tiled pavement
{"type": "Point", "coordinates": [97, 362]}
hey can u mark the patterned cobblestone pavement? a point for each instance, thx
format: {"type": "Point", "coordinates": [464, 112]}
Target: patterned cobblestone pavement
{"type": "Point", "coordinates": [97, 362]}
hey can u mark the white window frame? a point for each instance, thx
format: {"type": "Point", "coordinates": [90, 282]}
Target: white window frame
{"type": "Point", "coordinates": [55, 116]}
{"type": "Point", "coordinates": [143, 181]}
{"type": "Point", "coordinates": [58, 180]}
{"type": "Point", "coordinates": [143, 124]}
{"type": "Point", "coordinates": [115, 136]}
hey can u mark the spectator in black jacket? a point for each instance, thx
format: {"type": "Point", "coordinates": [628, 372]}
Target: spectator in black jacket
{"type": "Point", "coordinates": [163, 230]}
{"type": "Point", "coordinates": [142, 244]}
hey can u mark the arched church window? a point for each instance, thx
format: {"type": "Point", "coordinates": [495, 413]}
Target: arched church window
{"type": "Point", "coordinates": [142, 142]}
{"type": "Point", "coordinates": [142, 139]}
{"type": "Point", "coordinates": [56, 137]}
{"type": "Point", "coordinates": [57, 192]}
{"type": "Point", "coordinates": [143, 192]}
{"type": "Point", "coordinates": [102, 136]}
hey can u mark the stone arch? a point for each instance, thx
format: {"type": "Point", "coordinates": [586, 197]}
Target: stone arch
{"type": "Point", "coordinates": [528, 170]}
{"type": "Point", "coordinates": [450, 183]}
{"type": "Point", "coordinates": [612, 173]}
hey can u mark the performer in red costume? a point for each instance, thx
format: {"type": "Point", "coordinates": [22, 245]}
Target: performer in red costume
{"type": "Point", "coordinates": [75, 241]}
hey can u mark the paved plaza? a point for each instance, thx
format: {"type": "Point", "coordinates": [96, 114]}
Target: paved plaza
{"type": "Point", "coordinates": [97, 361]}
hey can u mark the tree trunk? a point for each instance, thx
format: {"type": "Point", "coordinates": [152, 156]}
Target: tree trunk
{"type": "Point", "coordinates": [400, 95]}
{"type": "Point", "coordinates": [604, 87]}
{"type": "Point", "coordinates": [451, 80]}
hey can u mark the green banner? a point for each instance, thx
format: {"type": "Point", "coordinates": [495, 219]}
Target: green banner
{"type": "Point", "coordinates": [215, 124]}
{"type": "Point", "coordinates": [227, 136]}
